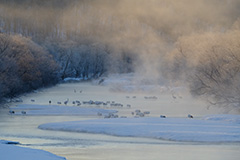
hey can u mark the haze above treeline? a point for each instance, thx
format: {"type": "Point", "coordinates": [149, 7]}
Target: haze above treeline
{"type": "Point", "coordinates": [193, 43]}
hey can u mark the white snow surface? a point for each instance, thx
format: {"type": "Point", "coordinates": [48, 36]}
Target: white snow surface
{"type": "Point", "coordinates": [33, 109]}
{"type": "Point", "coordinates": [224, 117]}
{"type": "Point", "coordinates": [13, 152]}
{"type": "Point", "coordinates": [178, 129]}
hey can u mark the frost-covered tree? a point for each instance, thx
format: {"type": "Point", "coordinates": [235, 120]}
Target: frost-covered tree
{"type": "Point", "coordinates": [210, 64]}
{"type": "Point", "coordinates": [85, 60]}
{"type": "Point", "coordinates": [24, 66]}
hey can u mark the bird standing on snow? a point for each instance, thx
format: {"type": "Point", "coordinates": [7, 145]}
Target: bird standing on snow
{"type": "Point", "coordinates": [66, 102]}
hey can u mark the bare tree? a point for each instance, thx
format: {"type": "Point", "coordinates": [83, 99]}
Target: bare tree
{"type": "Point", "coordinates": [4, 44]}
{"type": "Point", "coordinates": [24, 66]}
{"type": "Point", "coordinates": [210, 63]}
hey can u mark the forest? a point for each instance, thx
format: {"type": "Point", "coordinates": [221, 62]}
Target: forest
{"type": "Point", "coordinates": [195, 43]}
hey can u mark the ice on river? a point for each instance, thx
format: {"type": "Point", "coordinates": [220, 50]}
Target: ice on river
{"type": "Point", "coordinates": [209, 129]}
{"type": "Point", "coordinates": [8, 151]}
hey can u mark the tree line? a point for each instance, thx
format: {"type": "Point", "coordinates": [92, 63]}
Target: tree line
{"type": "Point", "coordinates": [209, 64]}
{"type": "Point", "coordinates": [38, 47]}
{"type": "Point", "coordinates": [24, 65]}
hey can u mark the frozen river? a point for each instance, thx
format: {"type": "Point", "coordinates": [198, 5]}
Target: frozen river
{"type": "Point", "coordinates": [86, 146]}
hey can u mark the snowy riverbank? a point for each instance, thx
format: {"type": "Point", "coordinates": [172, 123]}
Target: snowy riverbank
{"type": "Point", "coordinates": [8, 151]}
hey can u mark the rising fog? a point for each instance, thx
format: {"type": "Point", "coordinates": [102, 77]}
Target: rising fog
{"type": "Point", "coordinates": [148, 28]}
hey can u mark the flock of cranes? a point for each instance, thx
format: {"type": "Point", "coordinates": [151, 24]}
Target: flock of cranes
{"type": "Point", "coordinates": [137, 113]}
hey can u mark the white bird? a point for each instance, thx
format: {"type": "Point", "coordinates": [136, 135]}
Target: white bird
{"type": "Point", "coordinates": [141, 114]}
{"type": "Point", "coordinates": [190, 116]}
{"type": "Point", "coordinates": [138, 111]}
{"type": "Point", "coordinates": [146, 112]}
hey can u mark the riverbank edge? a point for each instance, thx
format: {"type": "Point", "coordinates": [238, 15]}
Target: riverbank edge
{"type": "Point", "coordinates": [22, 150]}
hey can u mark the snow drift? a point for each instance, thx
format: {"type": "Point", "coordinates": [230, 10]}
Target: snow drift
{"type": "Point", "coordinates": [178, 129]}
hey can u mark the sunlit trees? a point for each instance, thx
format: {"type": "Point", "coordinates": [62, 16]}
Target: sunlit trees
{"type": "Point", "coordinates": [24, 66]}
{"type": "Point", "coordinates": [4, 44]}
{"type": "Point", "coordinates": [8, 78]}
{"type": "Point", "coordinates": [218, 72]}
{"type": "Point", "coordinates": [210, 63]}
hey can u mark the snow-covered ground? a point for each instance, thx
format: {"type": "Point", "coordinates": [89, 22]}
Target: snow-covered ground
{"type": "Point", "coordinates": [224, 118]}
{"type": "Point", "coordinates": [211, 129]}
{"type": "Point", "coordinates": [9, 151]}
